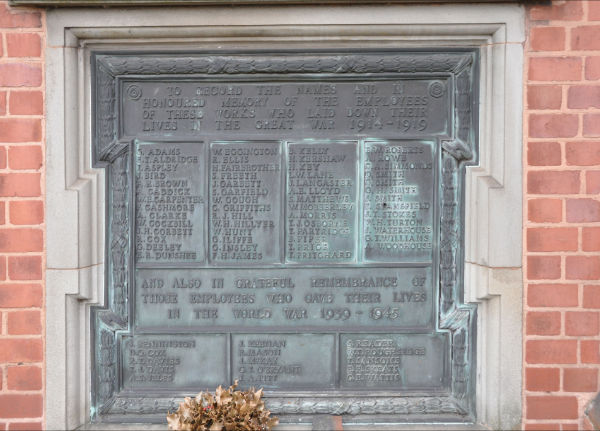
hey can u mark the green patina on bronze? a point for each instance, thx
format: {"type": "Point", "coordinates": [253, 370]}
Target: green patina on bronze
{"type": "Point", "coordinates": [290, 220]}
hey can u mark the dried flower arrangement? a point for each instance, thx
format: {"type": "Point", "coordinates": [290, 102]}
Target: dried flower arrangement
{"type": "Point", "coordinates": [226, 410]}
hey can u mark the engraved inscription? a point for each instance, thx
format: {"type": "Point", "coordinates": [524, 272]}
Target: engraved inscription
{"type": "Point", "coordinates": [284, 361]}
{"type": "Point", "coordinates": [238, 298]}
{"type": "Point", "coordinates": [169, 202]}
{"type": "Point", "coordinates": [393, 361]}
{"type": "Point", "coordinates": [245, 196]}
{"type": "Point", "coordinates": [321, 202]}
{"type": "Point", "coordinates": [398, 206]}
{"type": "Point", "coordinates": [333, 109]}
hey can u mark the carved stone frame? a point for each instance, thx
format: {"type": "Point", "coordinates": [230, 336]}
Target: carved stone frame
{"type": "Point", "coordinates": [75, 274]}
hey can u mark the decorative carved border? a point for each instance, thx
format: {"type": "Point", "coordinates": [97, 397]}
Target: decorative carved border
{"type": "Point", "coordinates": [456, 154]}
{"type": "Point", "coordinates": [123, 405]}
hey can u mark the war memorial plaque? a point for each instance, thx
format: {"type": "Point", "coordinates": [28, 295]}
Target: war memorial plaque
{"type": "Point", "coordinates": [289, 220]}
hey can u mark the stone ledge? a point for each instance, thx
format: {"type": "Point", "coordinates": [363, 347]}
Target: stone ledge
{"type": "Point", "coordinates": [154, 3]}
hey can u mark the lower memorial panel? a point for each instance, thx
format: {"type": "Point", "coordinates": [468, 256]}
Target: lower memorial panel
{"type": "Point", "coordinates": [174, 361]}
{"type": "Point", "coordinates": [394, 361]}
{"type": "Point", "coordinates": [284, 361]}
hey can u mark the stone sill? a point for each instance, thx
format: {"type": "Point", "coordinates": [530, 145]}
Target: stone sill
{"type": "Point", "coordinates": [301, 427]}
{"type": "Point", "coordinates": [119, 3]}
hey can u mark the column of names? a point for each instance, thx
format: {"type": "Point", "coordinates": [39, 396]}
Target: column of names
{"type": "Point", "coordinates": [169, 203]}
{"type": "Point", "coordinates": [321, 202]}
{"type": "Point", "coordinates": [245, 208]}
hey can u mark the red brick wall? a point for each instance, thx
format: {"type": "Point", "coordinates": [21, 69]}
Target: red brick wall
{"type": "Point", "coordinates": [562, 227]}
{"type": "Point", "coordinates": [562, 220]}
{"type": "Point", "coordinates": [21, 218]}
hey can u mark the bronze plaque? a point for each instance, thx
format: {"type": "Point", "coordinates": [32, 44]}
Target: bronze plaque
{"type": "Point", "coordinates": [292, 221]}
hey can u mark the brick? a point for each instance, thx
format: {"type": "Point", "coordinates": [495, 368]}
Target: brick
{"type": "Point", "coordinates": [552, 295]}
{"type": "Point", "coordinates": [585, 38]}
{"type": "Point", "coordinates": [583, 267]}
{"type": "Point", "coordinates": [18, 18]}
{"type": "Point", "coordinates": [2, 97]}
{"type": "Point", "coordinates": [20, 406]}
{"type": "Point", "coordinates": [591, 296]}
{"type": "Point", "coordinates": [566, 10]}
{"type": "Point", "coordinates": [25, 157]}
{"type": "Point", "coordinates": [590, 352]}
{"type": "Point", "coordinates": [582, 323]}
{"type": "Point", "coordinates": [2, 213]}
{"type": "Point", "coordinates": [543, 323]}
{"type": "Point", "coordinates": [21, 240]}
{"type": "Point", "coordinates": [592, 182]}
{"type": "Point", "coordinates": [552, 182]}
{"type": "Point", "coordinates": [24, 378]}
{"type": "Point", "coordinates": [23, 45]}
{"type": "Point", "coordinates": [544, 96]}
{"type": "Point", "coordinates": [24, 426]}
{"type": "Point", "coordinates": [583, 97]}
{"type": "Point", "coordinates": [26, 322]}
{"type": "Point", "coordinates": [542, 379]}
{"type": "Point", "coordinates": [552, 239]}
{"type": "Point", "coordinates": [3, 158]}
{"type": "Point", "coordinates": [20, 130]}
{"type": "Point", "coordinates": [582, 153]}
{"type": "Point", "coordinates": [26, 103]}
{"type": "Point", "coordinates": [25, 267]}
{"type": "Point", "coordinates": [553, 125]}
{"type": "Point", "coordinates": [23, 185]}
{"type": "Point", "coordinates": [21, 350]}
{"type": "Point", "coordinates": [20, 295]}
{"type": "Point", "coordinates": [580, 380]}
{"type": "Point", "coordinates": [593, 11]}
{"type": "Point", "coordinates": [543, 267]}
{"type": "Point", "coordinates": [590, 239]}
{"type": "Point", "coordinates": [547, 38]}
{"type": "Point", "coordinates": [551, 351]}
{"type": "Point", "coordinates": [544, 210]}
{"type": "Point", "coordinates": [551, 407]}
{"type": "Point", "coordinates": [591, 125]}
{"type": "Point", "coordinates": [583, 210]}
{"type": "Point", "coordinates": [26, 212]}
{"type": "Point", "coordinates": [555, 69]}
{"type": "Point", "coordinates": [542, 427]}
{"type": "Point", "coordinates": [592, 67]}
{"type": "Point", "coordinates": [20, 75]}
{"type": "Point", "coordinates": [570, 427]}
{"type": "Point", "coordinates": [2, 267]}
{"type": "Point", "coordinates": [543, 154]}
